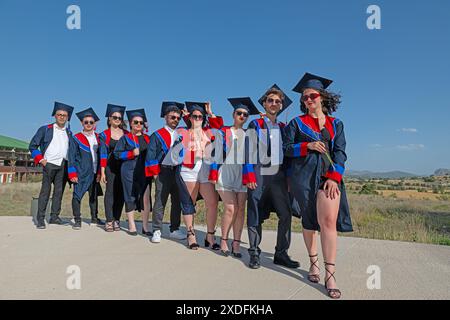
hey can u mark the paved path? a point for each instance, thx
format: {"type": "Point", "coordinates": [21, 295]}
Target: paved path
{"type": "Point", "coordinates": [33, 265]}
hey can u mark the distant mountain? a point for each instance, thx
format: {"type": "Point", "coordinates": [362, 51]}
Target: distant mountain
{"type": "Point", "coordinates": [442, 172]}
{"type": "Point", "coordinates": [379, 175]}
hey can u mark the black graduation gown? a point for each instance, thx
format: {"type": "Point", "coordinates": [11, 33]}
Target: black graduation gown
{"type": "Point", "coordinates": [308, 169]}
{"type": "Point", "coordinates": [133, 169]}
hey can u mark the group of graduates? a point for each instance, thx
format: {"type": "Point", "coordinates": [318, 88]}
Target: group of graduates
{"type": "Point", "coordinates": [292, 170]}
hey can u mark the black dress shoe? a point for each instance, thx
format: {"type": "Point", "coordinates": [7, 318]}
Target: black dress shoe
{"type": "Point", "coordinates": [284, 260]}
{"type": "Point", "coordinates": [76, 225]}
{"type": "Point", "coordinates": [41, 224]}
{"type": "Point", "coordinates": [56, 220]}
{"type": "Point", "coordinates": [254, 262]}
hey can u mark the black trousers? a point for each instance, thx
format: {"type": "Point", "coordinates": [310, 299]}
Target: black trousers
{"type": "Point", "coordinates": [166, 185]}
{"type": "Point", "coordinates": [114, 201]}
{"type": "Point", "coordinates": [271, 193]}
{"type": "Point", "coordinates": [93, 203]}
{"type": "Point", "coordinates": [57, 176]}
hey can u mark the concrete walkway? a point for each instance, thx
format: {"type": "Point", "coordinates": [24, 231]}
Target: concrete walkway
{"type": "Point", "coordinates": [33, 265]}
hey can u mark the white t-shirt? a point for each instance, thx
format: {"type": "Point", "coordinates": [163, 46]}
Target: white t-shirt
{"type": "Point", "coordinates": [94, 148]}
{"type": "Point", "coordinates": [173, 135]}
{"type": "Point", "coordinates": [58, 148]}
{"type": "Point", "coordinates": [275, 127]}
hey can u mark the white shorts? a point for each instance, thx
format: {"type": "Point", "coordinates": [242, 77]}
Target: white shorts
{"type": "Point", "coordinates": [200, 173]}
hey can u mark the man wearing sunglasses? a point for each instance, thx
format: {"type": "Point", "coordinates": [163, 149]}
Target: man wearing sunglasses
{"type": "Point", "coordinates": [161, 142]}
{"type": "Point", "coordinates": [84, 167]}
{"type": "Point", "coordinates": [266, 180]}
{"type": "Point", "coordinates": [49, 148]}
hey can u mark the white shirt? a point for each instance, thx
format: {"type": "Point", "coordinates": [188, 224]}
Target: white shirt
{"type": "Point", "coordinates": [173, 135]}
{"type": "Point", "coordinates": [272, 127]}
{"type": "Point", "coordinates": [94, 147]}
{"type": "Point", "coordinates": [57, 150]}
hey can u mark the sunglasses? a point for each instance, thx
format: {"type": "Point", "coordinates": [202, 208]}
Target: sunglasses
{"type": "Point", "coordinates": [175, 118]}
{"type": "Point", "coordinates": [313, 97]}
{"type": "Point", "coordinates": [116, 118]}
{"type": "Point", "coordinates": [242, 114]}
{"type": "Point", "coordinates": [61, 115]}
{"type": "Point", "coordinates": [89, 122]}
{"type": "Point", "coordinates": [136, 122]}
{"type": "Point", "coordinates": [275, 101]}
{"type": "Point", "coordinates": [196, 117]}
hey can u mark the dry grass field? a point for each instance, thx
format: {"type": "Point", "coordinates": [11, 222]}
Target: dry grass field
{"type": "Point", "coordinates": [403, 215]}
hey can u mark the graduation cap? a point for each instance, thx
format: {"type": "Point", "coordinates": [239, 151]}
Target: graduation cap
{"type": "Point", "coordinates": [112, 108]}
{"type": "Point", "coordinates": [63, 107]}
{"type": "Point", "coordinates": [88, 113]}
{"type": "Point", "coordinates": [244, 103]}
{"type": "Point", "coordinates": [311, 81]}
{"type": "Point", "coordinates": [136, 113]}
{"type": "Point", "coordinates": [169, 106]}
{"type": "Point", "coordinates": [286, 102]}
{"type": "Point", "coordinates": [192, 106]}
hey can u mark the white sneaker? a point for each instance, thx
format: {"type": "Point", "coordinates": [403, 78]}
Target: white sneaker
{"type": "Point", "coordinates": [178, 235]}
{"type": "Point", "coordinates": [156, 237]}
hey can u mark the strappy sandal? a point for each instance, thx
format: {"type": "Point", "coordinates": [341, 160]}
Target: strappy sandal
{"type": "Point", "coordinates": [225, 253]}
{"type": "Point", "coordinates": [214, 246]}
{"type": "Point", "coordinates": [117, 226]}
{"type": "Point", "coordinates": [236, 254]}
{"type": "Point", "coordinates": [332, 293]}
{"type": "Point", "coordinates": [314, 278]}
{"type": "Point", "coordinates": [109, 227]}
{"type": "Point", "coordinates": [193, 246]}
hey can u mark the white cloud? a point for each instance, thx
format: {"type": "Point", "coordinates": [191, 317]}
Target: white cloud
{"type": "Point", "coordinates": [376, 145]}
{"type": "Point", "coordinates": [410, 147]}
{"type": "Point", "coordinates": [408, 130]}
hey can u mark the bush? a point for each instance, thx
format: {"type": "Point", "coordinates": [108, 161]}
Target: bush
{"type": "Point", "coordinates": [368, 189]}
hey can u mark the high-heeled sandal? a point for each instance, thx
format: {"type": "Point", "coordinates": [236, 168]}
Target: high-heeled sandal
{"type": "Point", "coordinates": [236, 254]}
{"type": "Point", "coordinates": [109, 227]}
{"type": "Point", "coordinates": [215, 246]}
{"type": "Point", "coordinates": [193, 246]}
{"type": "Point", "coordinates": [225, 253]}
{"type": "Point", "coordinates": [117, 226]}
{"type": "Point", "coordinates": [314, 278]}
{"type": "Point", "coordinates": [332, 293]}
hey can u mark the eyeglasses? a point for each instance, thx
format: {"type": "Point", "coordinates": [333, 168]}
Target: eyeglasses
{"type": "Point", "coordinates": [242, 114]}
{"type": "Point", "coordinates": [136, 122]}
{"type": "Point", "coordinates": [62, 115]}
{"type": "Point", "coordinates": [175, 118]}
{"type": "Point", "coordinates": [89, 122]}
{"type": "Point", "coordinates": [313, 97]}
{"type": "Point", "coordinates": [197, 117]}
{"type": "Point", "coordinates": [275, 101]}
{"type": "Point", "coordinates": [116, 118]}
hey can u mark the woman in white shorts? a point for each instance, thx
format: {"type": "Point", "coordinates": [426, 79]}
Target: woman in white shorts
{"type": "Point", "coordinates": [195, 170]}
{"type": "Point", "coordinates": [228, 176]}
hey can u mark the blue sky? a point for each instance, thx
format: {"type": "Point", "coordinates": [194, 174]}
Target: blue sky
{"type": "Point", "coordinates": [394, 81]}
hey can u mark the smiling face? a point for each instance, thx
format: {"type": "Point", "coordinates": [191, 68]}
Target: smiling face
{"type": "Point", "coordinates": [137, 124]}
{"type": "Point", "coordinates": [197, 119]}
{"type": "Point", "coordinates": [312, 100]}
{"type": "Point", "coordinates": [273, 104]}
{"type": "Point", "coordinates": [88, 123]}
{"type": "Point", "coordinates": [61, 118]}
{"type": "Point", "coordinates": [240, 116]}
{"type": "Point", "coordinates": [173, 119]}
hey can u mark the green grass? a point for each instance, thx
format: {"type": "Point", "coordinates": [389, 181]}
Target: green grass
{"type": "Point", "coordinates": [374, 216]}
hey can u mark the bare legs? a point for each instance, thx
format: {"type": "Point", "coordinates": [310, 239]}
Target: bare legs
{"type": "Point", "coordinates": [327, 212]}
{"type": "Point", "coordinates": [233, 216]}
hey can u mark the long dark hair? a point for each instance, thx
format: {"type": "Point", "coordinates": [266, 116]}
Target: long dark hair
{"type": "Point", "coordinates": [330, 102]}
